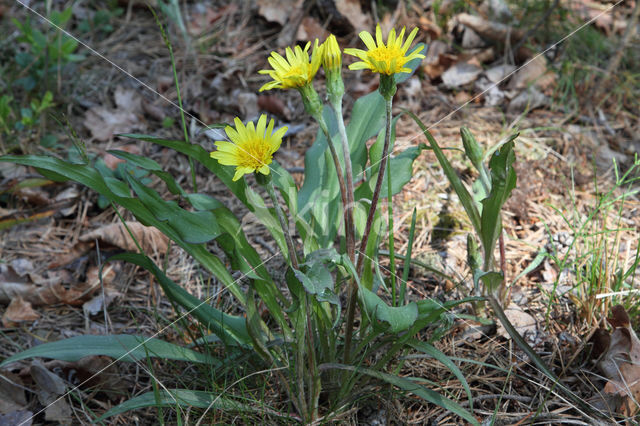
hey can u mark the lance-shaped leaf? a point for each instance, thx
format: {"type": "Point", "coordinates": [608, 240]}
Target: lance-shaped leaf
{"type": "Point", "coordinates": [503, 180]}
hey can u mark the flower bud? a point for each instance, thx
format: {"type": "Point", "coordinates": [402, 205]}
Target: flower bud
{"type": "Point", "coordinates": [332, 64]}
{"type": "Point", "coordinates": [311, 101]}
{"type": "Point", "coordinates": [331, 55]}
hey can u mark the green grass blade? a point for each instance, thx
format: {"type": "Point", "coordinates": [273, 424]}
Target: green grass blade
{"type": "Point", "coordinates": [407, 258]}
{"type": "Point", "coordinates": [186, 398]}
{"type": "Point", "coordinates": [409, 386]}
{"type": "Point", "coordinates": [431, 350]}
{"type": "Point", "coordinates": [465, 198]}
{"type": "Point", "coordinates": [230, 329]}
{"type": "Point", "coordinates": [123, 347]}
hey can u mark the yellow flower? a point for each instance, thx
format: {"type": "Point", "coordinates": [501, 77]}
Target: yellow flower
{"type": "Point", "coordinates": [294, 72]}
{"type": "Point", "coordinates": [251, 148]}
{"type": "Point", "coordinates": [331, 56]}
{"type": "Point", "coordinates": [384, 59]}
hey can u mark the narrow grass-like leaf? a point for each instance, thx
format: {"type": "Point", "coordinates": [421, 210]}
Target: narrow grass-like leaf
{"type": "Point", "coordinates": [89, 176]}
{"type": "Point", "coordinates": [535, 358]}
{"type": "Point", "coordinates": [123, 347]}
{"type": "Point", "coordinates": [407, 258]}
{"type": "Point", "coordinates": [187, 398]}
{"type": "Point", "coordinates": [203, 157]}
{"type": "Point", "coordinates": [446, 361]}
{"type": "Point", "coordinates": [230, 329]}
{"type": "Point", "coordinates": [409, 386]}
{"type": "Point", "coordinates": [465, 198]}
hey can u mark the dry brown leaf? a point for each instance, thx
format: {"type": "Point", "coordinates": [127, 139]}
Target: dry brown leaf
{"type": "Point", "coordinates": [18, 311]}
{"type": "Point", "coordinates": [352, 10]}
{"type": "Point", "coordinates": [104, 122]}
{"type": "Point", "coordinates": [311, 29]}
{"type": "Point", "coordinates": [274, 105]}
{"type": "Point", "coordinates": [201, 22]}
{"type": "Point", "coordinates": [275, 10]}
{"type": "Point", "coordinates": [12, 396]}
{"type": "Point", "coordinates": [49, 387]}
{"type": "Point", "coordinates": [21, 417]}
{"type": "Point", "coordinates": [430, 27]}
{"type": "Point", "coordinates": [489, 30]}
{"type": "Point", "coordinates": [95, 372]}
{"type": "Point", "coordinates": [529, 74]}
{"type": "Point", "coordinates": [151, 239]}
{"type": "Point", "coordinates": [621, 364]}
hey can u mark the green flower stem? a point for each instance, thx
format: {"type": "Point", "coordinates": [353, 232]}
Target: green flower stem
{"type": "Point", "coordinates": [350, 232]}
{"type": "Point", "coordinates": [315, 383]}
{"type": "Point", "coordinates": [293, 257]}
{"type": "Point", "coordinates": [392, 252]}
{"type": "Point", "coordinates": [313, 107]}
{"type": "Point", "coordinates": [351, 308]}
{"type": "Point", "coordinates": [175, 79]}
{"type": "Point", "coordinates": [343, 187]}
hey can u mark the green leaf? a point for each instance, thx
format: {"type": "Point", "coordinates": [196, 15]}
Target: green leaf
{"type": "Point", "coordinates": [122, 347]}
{"type": "Point", "coordinates": [465, 198]}
{"type": "Point", "coordinates": [230, 329]}
{"type": "Point", "coordinates": [319, 282]}
{"type": "Point", "coordinates": [137, 160]}
{"type": "Point", "coordinates": [60, 170]}
{"type": "Point", "coordinates": [267, 217]}
{"type": "Point", "coordinates": [398, 318]}
{"type": "Point", "coordinates": [184, 398]}
{"type": "Point", "coordinates": [412, 64]}
{"type": "Point", "coordinates": [194, 227]}
{"type": "Point", "coordinates": [503, 180]}
{"type": "Point", "coordinates": [225, 173]}
{"type": "Point", "coordinates": [446, 361]}
{"type": "Point", "coordinates": [245, 258]}
{"type": "Point", "coordinates": [409, 386]}
{"type": "Point", "coordinates": [319, 198]}
{"type": "Point", "coordinates": [203, 202]}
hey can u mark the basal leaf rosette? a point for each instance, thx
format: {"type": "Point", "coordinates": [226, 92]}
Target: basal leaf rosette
{"type": "Point", "coordinates": [251, 148]}
{"type": "Point", "coordinates": [294, 72]}
{"type": "Point", "coordinates": [382, 58]}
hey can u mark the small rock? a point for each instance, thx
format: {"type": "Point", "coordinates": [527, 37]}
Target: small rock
{"type": "Point", "coordinates": [529, 73]}
{"type": "Point", "coordinates": [497, 73]}
{"type": "Point", "coordinates": [460, 75]}
{"type": "Point", "coordinates": [527, 100]}
{"type": "Point", "coordinates": [471, 39]}
{"type": "Point", "coordinates": [493, 96]}
{"type": "Point", "coordinates": [524, 323]}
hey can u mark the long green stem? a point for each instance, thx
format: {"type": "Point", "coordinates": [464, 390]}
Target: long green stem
{"type": "Point", "coordinates": [378, 187]}
{"type": "Point", "coordinates": [283, 224]}
{"type": "Point", "coordinates": [353, 294]}
{"type": "Point", "coordinates": [175, 80]}
{"type": "Point", "coordinates": [392, 251]}
{"type": "Point", "coordinates": [339, 174]}
{"type": "Point", "coordinates": [350, 233]}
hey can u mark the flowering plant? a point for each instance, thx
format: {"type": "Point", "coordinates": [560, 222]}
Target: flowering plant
{"type": "Point", "coordinates": [329, 231]}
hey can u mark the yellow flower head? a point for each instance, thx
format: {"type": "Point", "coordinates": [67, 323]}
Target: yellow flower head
{"type": "Point", "coordinates": [251, 148]}
{"type": "Point", "coordinates": [384, 59]}
{"type": "Point", "coordinates": [294, 72]}
{"type": "Point", "coordinates": [331, 55]}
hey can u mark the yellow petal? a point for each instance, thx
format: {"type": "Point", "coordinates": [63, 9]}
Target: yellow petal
{"type": "Point", "coordinates": [407, 43]}
{"type": "Point", "coordinates": [368, 40]}
{"type": "Point", "coordinates": [379, 40]}
{"type": "Point", "coordinates": [262, 123]}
